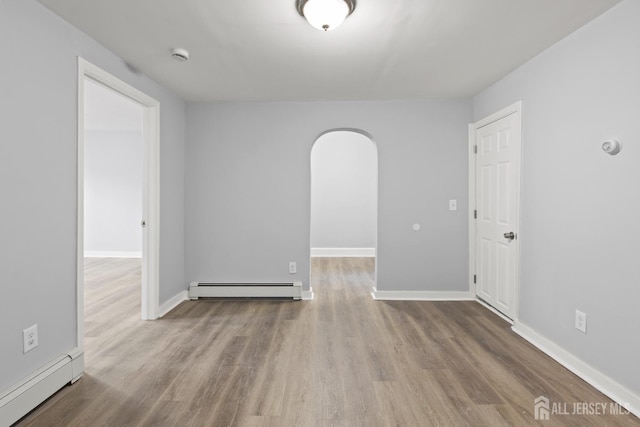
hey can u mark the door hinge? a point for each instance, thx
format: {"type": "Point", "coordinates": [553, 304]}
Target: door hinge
{"type": "Point", "coordinates": [475, 214]}
{"type": "Point", "coordinates": [475, 149]}
{"type": "Point", "coordinates": [475, 279]}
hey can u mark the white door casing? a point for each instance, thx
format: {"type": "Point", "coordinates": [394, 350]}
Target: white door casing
{"type": "Point", "coordinates": [151, 193]}
{"type": "Point", "coordinates": [495, 201]}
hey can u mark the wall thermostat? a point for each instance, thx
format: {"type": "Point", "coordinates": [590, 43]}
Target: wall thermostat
{"type": "Point", "coordinates": [612, 146]}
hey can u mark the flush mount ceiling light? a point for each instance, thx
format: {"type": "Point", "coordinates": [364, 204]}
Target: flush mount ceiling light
{"type": "Point", "coordinates": [325, 15]}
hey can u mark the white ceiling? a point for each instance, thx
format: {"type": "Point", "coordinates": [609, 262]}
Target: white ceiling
{"type": "Point", "coordinates": [387, 49]}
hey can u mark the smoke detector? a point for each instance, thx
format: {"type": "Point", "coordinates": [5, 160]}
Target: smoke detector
{"type": "Point", "coordinates": [180, 54]}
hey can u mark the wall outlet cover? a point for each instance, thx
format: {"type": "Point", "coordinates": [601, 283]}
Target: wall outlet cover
{"type": "Point", "coordinates": [30, 338]}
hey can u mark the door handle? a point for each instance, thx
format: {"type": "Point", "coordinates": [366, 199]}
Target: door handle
{"type": "Point", "coordinates": [510, 235]}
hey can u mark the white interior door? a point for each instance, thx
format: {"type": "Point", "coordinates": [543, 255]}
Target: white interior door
{"type": "Point", "coordinates": [497, 172]}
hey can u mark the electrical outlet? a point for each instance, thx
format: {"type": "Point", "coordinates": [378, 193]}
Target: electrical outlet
{"type": "Point", "coordinates": [581, 321]}
{"type": "Point", "coordinates": [30, 338]}
{"type": "Point", "coordinates": [292, 268]}
{"type": "Point", "coordinates": [453, 205]}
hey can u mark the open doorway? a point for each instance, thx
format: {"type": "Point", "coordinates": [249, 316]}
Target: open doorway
{"type": "Point", "coordinates": [127, 157]}
{"type": "Point", "coordinates": [113, 159]}
{"type": "Point", "coordinates": [113, 152]}
{"type": "Point", "coordinates": [344, 209]}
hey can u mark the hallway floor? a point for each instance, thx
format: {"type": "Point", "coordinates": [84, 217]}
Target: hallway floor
{"type": "Point", "coordinates": [342, 359]}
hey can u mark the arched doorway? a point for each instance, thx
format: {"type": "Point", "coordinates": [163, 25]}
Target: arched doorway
{"type": "Point", "coordinates": [344, 197]}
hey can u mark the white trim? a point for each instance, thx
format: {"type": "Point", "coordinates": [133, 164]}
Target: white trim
{"type": "Point", "coordinates": [472, 207]}
{"type": "Point", "coordinates": [343, 252]}
{"type": "Point", "coordinates": [494, 311]}
{"type": "Point", "coordinates": [614, 390]}
{"type": "Point", "coordinates": [112, 254]}
{"type": "Point", "coordinates": [173, 302]}
{"type": "Point", "coordinates": [308, 295]}
{"type": "Point", "coordinates": [422, 295]}
{"type": "Point", "coordinates": [20, 399]}
{"type": "Point", "coordinates": [151, 191]}
{"type": "Point", "coordinates": [515, 108]}
{"type": "Point", "coordinates": [151, 209]}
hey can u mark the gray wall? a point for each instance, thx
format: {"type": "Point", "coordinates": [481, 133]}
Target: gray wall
{"type": "Point", "coordinates": [344, 191]}
{"type": "Point", "coordinates": [580, 206]}
{"type": "Point", "coordinates": [248, 189]}
{"type": "Point", "coordinates": [38, 118]}
{"type": "Point", "coordinates": [113, 193]}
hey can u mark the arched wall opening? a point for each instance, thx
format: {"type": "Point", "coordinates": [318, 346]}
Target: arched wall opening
{"type": "Point", "coordinates": [344, 195]}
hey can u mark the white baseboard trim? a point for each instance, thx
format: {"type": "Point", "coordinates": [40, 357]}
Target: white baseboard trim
{"type": "Point", "coordinates": [614, 390]}
{"type": "Point", "coordinates": [422, 295]}
{"type": "Point", "coordinates": [308, 295]}
{"type": "Point", "coordinates": [173, 302]}
{"type": "Point", "coordinates": [343, 252]}
{"type": "Point", "coordinates": [22, 398]}
{"type": "Point", "coordinates": [112, 254]}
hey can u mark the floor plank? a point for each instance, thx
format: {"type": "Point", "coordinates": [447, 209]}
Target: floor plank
{"type": "Point", "coordinates": [340, 360]}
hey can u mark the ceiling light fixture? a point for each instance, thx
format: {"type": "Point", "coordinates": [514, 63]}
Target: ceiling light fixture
{"type": "Point", "coordinates": [325, 15]}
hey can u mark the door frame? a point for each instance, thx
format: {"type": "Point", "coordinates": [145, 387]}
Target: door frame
{"type": "Point", "coordinates": [150, 192]}
{"type": "Point", "coordinates": [515, 108]}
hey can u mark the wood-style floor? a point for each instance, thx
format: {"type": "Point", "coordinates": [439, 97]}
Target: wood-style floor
{"type": "Point", "coordinates": [340, 360]}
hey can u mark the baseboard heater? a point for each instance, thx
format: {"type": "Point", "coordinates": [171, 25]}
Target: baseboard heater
{"type": "Point", "coordinates": [291, 290]}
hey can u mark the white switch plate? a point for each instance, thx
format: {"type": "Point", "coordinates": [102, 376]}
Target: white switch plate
{"type": "Point", "coordinates": [292, 268]}
{"type": "Point", "coordinates": [30, 338]}
{"type": "Point", "coordinates": [453, 205]}
{"type": "Point", "coordinates": [581, 321]}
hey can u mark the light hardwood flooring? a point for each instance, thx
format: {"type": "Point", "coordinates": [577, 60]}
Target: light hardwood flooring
{"type": "Point", "coordinates": [340, 360]}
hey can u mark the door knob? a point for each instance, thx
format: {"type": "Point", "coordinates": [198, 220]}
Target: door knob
{"type": "Point", "coordinates": [509, 235]}
{"type": "Point", "coordinates": [143, 224]}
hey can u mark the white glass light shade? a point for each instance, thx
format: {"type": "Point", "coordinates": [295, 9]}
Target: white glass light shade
{"type": "Point", "coordinates": [325, 15]}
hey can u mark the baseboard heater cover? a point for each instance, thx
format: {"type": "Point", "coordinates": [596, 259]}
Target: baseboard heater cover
{"type": "Point", "coordinates": [245, 290]}
{"type": "Point", "coordinates": [35, 389]}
